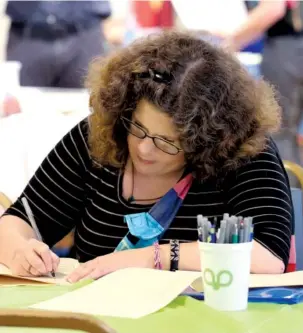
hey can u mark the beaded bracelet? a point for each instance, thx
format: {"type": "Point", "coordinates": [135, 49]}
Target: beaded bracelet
{"type": "Point", "coordinates": [174, 254]}
{"type": "Point", "coordinates": [157, 257]}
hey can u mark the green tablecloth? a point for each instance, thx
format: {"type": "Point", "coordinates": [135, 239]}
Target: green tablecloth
{"type": "Point", "coordinates": [183, 315]}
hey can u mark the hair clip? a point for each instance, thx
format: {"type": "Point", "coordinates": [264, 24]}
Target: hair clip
{"type": "Point", "coordinates": [159, 77]}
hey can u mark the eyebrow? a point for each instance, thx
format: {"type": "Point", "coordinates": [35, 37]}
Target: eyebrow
{"type": "Point", "coordinates": [165, 137]}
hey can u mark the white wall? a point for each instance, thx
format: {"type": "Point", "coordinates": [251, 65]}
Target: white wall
{"type": "Point", "coordinates": [3, 29]}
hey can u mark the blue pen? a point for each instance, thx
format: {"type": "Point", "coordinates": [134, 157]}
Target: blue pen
{"type": "Point", "coordinates": [251, 233]}
{"type": "Point", "coordinates": [212, 234]}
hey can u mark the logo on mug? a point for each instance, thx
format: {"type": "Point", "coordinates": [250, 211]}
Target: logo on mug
{"type": "Point", "coordinates": [224, 278]}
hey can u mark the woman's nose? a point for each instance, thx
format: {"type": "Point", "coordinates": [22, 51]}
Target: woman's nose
{"type": "Point", "coordinates": [146, 146]}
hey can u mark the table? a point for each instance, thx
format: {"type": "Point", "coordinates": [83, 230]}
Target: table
{"type": "Point", "coordinates": [184, 314]}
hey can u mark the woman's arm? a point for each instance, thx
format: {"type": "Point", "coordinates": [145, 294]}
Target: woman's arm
{"type": "Point", "coordinates": [259, 20]}
{"type": "Point", "coordinates": [55, 194]}
{"type": "Point", "coordinates": [261, 190]}
{"type": "Point", "coordinates": [190, 259]}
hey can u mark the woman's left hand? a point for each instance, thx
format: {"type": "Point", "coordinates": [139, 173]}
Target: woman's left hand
{"type": "Point", "coordinates": [109, 263]}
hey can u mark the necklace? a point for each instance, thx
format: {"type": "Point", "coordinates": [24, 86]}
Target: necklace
{"type": "Point", "coordinates": [131, 198]}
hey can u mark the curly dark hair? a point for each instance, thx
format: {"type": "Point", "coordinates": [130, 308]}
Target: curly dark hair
{"type": "Point", "coordinates": [222, 114]}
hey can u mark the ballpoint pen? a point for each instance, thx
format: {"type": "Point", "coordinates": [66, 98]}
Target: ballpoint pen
{"type": "Point", "coordinates": [33, 223]}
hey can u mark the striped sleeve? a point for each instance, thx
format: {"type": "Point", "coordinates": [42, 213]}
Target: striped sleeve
{"type": "Point", "coordinates": [261, 190]}
{"type": "Point", "coordinates": [55, 193]}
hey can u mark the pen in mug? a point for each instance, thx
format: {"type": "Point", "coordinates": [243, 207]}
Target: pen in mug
{"type": "Point", "coordinates": [33, 223]}
{"type": "Point", "coordinates": [221, 238]}
{"type": "Point", "coordinates": [235, 236]}
{"type": "Point", "coordinates": [212, 235]}
{"type": "Point", "coordinates": [241, 233]}
{"type": "Point", "coordinates": [205, 229]}
{"type": "Point", "coordinates": [246, 223]}
{"type": "Point", "coordinates": [251, 233]}
{"type": "Point", "coordinates": [215, 222]}
{"type": "Point", "coordinates": [234, 222]}
{"type": "Point", "coordinates": [200, 227]}
{"type": "Point", "coordinates": [251, 227]}
{"type": "Point", "coordinates": [228, 231]}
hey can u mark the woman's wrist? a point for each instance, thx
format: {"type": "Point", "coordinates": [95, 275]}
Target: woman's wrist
{"type": "Point", "coordinates": [164, 256]}
{"type": "Point", "coordinates": [189, 258]}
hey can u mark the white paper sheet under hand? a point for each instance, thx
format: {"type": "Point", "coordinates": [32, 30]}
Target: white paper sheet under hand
{"type": "Point", "coordinates": [130, 293]}
{"type": "Point", "coordinates": [66, 266]}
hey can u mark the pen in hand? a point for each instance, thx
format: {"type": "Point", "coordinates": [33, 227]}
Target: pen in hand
{"type": "Point", "coordinates": [33, 223]}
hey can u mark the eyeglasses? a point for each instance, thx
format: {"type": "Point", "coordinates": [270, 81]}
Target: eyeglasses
{"type": "Point", "coordinates": [162, 144]}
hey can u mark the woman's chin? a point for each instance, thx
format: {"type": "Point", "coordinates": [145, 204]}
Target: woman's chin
{"type": "Point", "coordinates": [145, 168]}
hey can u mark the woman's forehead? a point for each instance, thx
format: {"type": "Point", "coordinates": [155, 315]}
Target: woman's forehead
{"type": "Point", "coordinates": [154, 119]}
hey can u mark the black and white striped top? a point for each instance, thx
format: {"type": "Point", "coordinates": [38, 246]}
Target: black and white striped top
{"type": "Point", "coordinates": [68, 191]}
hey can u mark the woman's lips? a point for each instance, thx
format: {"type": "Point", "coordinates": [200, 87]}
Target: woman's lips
{"type": "Point", "coordinates": [143, 161]}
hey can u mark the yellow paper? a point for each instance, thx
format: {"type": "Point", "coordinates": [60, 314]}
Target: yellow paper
{"type": "Point", "coordinates": [276, 280]}
{"type": "Point", "coordinates": [136, 292]}
{"type": "Point", "coordinates": [130, 292]}
{"type": "Point", "coordinates": [265, 280]}
{"type": "Point", "coordinates": [66, 266]}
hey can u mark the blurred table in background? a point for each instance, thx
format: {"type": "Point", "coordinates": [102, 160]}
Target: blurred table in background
{"type": "Point", "coordinates": [26, 138]}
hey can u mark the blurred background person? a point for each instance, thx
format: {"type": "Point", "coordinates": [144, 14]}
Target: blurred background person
{"type": "Point", "coordinates": [132, 19]}
{"type": "Point", "coordinates": [282, 61]}
{"type": "Point", "coordinates": [55, 40]}
{"type": "Point", "coordinates": [148, 17]}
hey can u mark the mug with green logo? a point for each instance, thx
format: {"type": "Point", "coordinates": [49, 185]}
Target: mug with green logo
{"type": "Point", "coordinates": [225, 275]}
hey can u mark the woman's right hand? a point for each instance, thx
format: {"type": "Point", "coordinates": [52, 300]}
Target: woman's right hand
{"type": "Point", "coordinates": [34, 258]}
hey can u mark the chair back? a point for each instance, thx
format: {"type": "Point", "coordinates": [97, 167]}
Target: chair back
{"type": "Point", "coordinates": [52, 319]}
{"type": "Point", "coordinates": [5, 202]}
{"type": "Point", "coordinates": [297, 199]}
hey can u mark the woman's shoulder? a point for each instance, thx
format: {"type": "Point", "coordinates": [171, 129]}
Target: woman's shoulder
{"type": "Point", "coordinates": [78, 133]}
{"type": "Point", "coordinates": [268, 156]}
{"type": "Point", "coordinates": [264, 166]}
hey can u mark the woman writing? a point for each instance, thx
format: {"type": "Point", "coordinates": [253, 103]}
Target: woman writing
{"type": "Point", "coordinates": [166, 108]}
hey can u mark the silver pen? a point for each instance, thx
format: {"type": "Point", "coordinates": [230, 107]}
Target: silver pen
{"type": "Point", "coordinates": [221, 239]}
{"type": "Point", "coordinates": [246, 229]}
{"type": "Point", "coordinates": [33, 223]}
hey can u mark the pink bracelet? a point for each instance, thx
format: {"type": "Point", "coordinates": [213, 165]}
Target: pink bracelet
{"type": "Point", "coordinates": [157, 257]}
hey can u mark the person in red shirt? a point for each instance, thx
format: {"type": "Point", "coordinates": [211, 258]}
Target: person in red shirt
{"type": "Point", "coordinates": [153, 14]}
{"type": "Point", "coordinates": [282, 65]}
